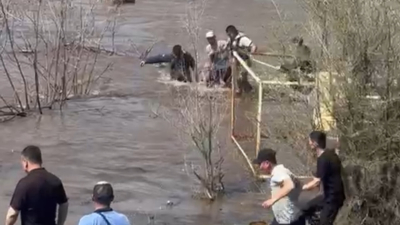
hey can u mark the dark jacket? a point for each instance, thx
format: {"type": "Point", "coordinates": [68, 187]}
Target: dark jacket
{"type": "Point", "coordinates": [179, 69]}
{"type": "Point", "coordinates": [161, 58]}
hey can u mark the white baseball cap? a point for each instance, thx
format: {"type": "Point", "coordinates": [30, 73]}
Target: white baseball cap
{"type": "Point", "coordinates": [210, 34]}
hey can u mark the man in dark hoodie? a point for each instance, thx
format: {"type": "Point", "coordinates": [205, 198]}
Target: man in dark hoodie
{"type": "Point", "coordinates": [181, 63]}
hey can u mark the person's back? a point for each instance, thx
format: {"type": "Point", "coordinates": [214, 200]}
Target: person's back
{"type": "Point", "coordinates": [103, 195]}
{"type": "Point", "coordinates": [96, 218]}
{"type": "Point", "coordinates": [243, 44]}
{"type": "Point", "coordinates": [332, 180]}
{"type": "Point", "coordinates": [41, 197]}
{"type": "Point", "coordinates": [329, 169]}
{"type": "Point", "coordinates": [37, 195]}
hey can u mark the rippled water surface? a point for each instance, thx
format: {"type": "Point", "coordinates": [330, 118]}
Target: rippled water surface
{"type": "Point", "coordinates": [115, 137]}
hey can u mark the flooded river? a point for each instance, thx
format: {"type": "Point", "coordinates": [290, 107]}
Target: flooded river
{"type": "Point", "coordinates": [114, 137]}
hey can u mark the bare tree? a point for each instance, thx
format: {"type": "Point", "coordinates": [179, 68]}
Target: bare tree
{"type": "Point", "coordinates": [197, 115]}
{"type": "Point", "coordinates": [192, 23]}
{"type": "Point", "coordinates": [54, 47]}
{"type": "Point", "coordinates": [360, 45]}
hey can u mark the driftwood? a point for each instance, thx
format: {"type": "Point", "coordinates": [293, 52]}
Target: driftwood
{"type": "Point", "coordinates": [21, 114]}
{"type": "Point", "coordinates": [120, 2]}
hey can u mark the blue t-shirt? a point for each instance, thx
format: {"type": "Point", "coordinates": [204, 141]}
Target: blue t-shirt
{"type": "Point", "coordinates": [114, 218]}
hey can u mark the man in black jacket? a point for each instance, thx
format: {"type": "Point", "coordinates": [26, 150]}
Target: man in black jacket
{"type": "Point", "coordinates": [329, 168]}
{"type": "Point", "coordinates": [181, 63]}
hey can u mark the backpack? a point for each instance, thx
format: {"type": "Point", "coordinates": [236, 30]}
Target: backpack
{"type": "Point", "coordinates": [243, 49]}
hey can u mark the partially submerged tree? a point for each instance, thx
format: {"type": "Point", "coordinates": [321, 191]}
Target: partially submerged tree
{"type": "Point", "coordinates": [49, 52]}
{"type": "Point", "coordinates": [197, 116]}
{"type": "Point", "coordinates": [192, 23]}
{"type": "Point", "coordinates": [197, 113]}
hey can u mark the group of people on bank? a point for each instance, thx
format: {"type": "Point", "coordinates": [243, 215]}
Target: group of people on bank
{"type": "Point", "coordinates": [286, 188]}
{"type": "Point", "coordinates": [40, 199]}
{"type": "Point", "coordinates": [217, 66]}
{"type": "Point", "coordinates": [37, 195]}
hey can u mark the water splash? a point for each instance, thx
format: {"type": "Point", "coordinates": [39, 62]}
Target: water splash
{"type": "Point", "coordinates": [201, 86]}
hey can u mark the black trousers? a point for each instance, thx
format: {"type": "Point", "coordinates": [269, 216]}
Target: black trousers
{"type": "Point", "coordinates": [313, 215]}
{"type": "Point", "coordinates": [329, 212]}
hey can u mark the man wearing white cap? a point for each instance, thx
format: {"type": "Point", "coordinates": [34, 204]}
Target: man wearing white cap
{"type": "Point", "coordinates": [217, 64]}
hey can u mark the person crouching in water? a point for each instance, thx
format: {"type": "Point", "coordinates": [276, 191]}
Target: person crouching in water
{"type": "Point", "coordinates": [181, 64]}
{"type": "Point", "coordinates": [217, 64]}
{"type": "Point", "coordinates": [239, 42]}
{"type": "Point", "coordinates": [285, 190]}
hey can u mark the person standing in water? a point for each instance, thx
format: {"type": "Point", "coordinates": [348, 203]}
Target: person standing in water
{"type": "Point", "coordinates": [181, 64]}
{"type": "Point", "coordinates": [239, 42]}
{"type": "Point", "coordinates": [217, 63]}
{"type": "Point", "coordinates": [285, 190]}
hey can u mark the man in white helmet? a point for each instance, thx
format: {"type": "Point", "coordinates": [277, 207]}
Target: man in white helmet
{"type": "Point", "coordinates": [217, 64]}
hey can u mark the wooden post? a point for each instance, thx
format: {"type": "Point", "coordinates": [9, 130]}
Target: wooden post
{"type": "Point", "coordinates": [324, 119]}
{"type": "Point", "coordinates": [233, 94]}
{"type": "Point", "coordinates": [259, 112]}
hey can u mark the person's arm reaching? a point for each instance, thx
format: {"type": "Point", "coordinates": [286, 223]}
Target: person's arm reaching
{"type": "Point", "coordinates": [248, 43]}
{"type": "Point", "coordinates": [320, 174]}
{"type": "Point", "coordinates": [62, 202]}
{"type": "Point", "coordinates": [208, 63]}
{"type": "Point", "coordinates": [312, 184]}
{"type": "Point", "coordinates": [161, 58]}
{"type": "Point", "coordinates": [191, 61]}
{"type": "Point", "coordinates": [266, 52]}
{"type": "Point", "coordinates": [253, 48]}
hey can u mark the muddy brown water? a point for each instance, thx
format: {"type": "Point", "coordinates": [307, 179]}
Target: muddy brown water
{"type": "Point", "coordinates": [113, 136]}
